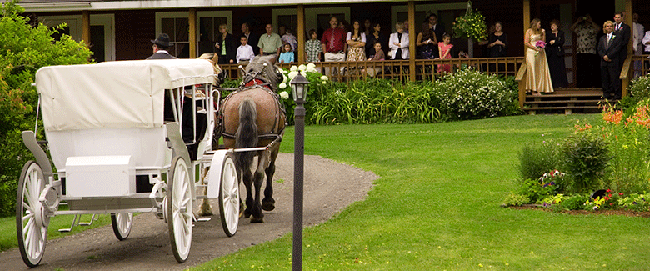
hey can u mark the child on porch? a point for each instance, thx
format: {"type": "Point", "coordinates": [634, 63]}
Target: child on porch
{"type": "Point", "coordinates": [379, 56]}
{"type": "Point", "coordinates": [287, 54]}
{"type": "Point", "coordinates": [444, 49]}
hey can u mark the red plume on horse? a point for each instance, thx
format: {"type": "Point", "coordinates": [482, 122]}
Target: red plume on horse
{"type": "Point", "coordinates": [252, 116]}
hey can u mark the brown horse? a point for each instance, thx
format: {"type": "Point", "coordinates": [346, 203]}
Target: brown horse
{"type": "Point", "coordinates": [253, 117]}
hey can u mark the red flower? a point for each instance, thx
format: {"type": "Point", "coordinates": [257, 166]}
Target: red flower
{"type": "Point", "coordinates": [609, 191]}
{"type": "Point", "coordinates": [610, 195]}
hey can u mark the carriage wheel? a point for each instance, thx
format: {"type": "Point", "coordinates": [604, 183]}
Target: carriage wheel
{"type": "Point", "coordinates": [122, 223]}
{"type": "Point", "coordinates": [31, 223]}
{"type": "Point", "coordinates": [179, 209]}
{"type": "Point", "coordinates": [229, 196]}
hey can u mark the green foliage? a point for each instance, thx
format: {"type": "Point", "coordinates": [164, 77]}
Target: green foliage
{"type": "Point", "coordinates": [640, 88]}
{"type": "Point", "coordinates": [377, 101]}
{"type": "Point", "coordinates": [23, 50]}
{"type": "Point", "coordinates": [585, 157]}
{"type": "Point", "coordinates": [574, 202]}
{"type": "Point", "coordinates": [469, 94]}
{"type": "Point", "coordinates": [628, 138]}
{"type": "Point", "coordinates": [535, 160]}
{"type": "Point", "coordinates": [536, 190]}
{"type": "Point", "coordinates": [635, 202]}
{"type": "Point", "coordinates": [515, 199]}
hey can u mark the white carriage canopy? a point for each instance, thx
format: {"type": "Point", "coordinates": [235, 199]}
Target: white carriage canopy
{"type": "Point", "coordinates": [121, 94]}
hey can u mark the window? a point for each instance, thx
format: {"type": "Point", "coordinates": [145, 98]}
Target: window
{"type": "Point", "coordinates": [177, 29]}
{"type": "Point", "coordinates": [176, 25]}
{"type": "Point", "coordinates": [208, 32]}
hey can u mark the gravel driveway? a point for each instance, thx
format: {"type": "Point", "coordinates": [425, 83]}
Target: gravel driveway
{"type": "Point", "coordinates": [329, 187]}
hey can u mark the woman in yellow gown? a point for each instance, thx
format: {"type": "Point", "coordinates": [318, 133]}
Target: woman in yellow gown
{"type": "Point", "coordinates": [538, 78]}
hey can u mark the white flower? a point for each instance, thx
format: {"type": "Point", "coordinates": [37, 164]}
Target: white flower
{"type": "Point", "coordinates": [304, 73]}
{"type": "Point", "coordinates": [324, 78]}
{"type": "Point", "coordinates": [294, 68]}
{"type": "Point", "coordinates": [284, 94]}
{"type": "Point", "coordinates": [282, 85]}
{"type": "Point", "coordinates": [280, 70]}
{"type": "Point", "coordinates": [292, 74]}
{"type": "Point", "coordinates": [284, 79]}
{"type": "Point", "coordinates": [302, 67]}
{"type": "Point", "coordinates": [312, 69]}
{"type": "Point", "coordinates": [311, 66]}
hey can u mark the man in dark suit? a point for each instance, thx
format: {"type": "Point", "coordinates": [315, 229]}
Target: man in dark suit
{"type": "Point", "coordinates": [160, 45]}
{"type": "Point", "coordinates": [609, 48]}
{"type": "Point", "coordinates": [436, 27]}
{"type": "Point", "coordinates": [623, 30]}
{"type": "Point", "coordinates": [253, 38]}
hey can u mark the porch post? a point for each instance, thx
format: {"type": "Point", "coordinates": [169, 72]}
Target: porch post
{"type": "Point", "coordinates": [526, 16]}
{"type": "Point", "coordinates": [521, 74]}
{"type": "Point", "coordinates": [412, 36]}
{"type": "Point", "coordinates": [630, 73]}
{"type": "Point", "coordinates": [85, 27]}
{"type": "Point", "coordinates": [192, 35]}
{"type": "Point", "coordinates": [300, 31]}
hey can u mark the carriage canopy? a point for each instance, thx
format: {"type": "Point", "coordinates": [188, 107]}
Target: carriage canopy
{"type": "Point", "coordinates": [121, 94]}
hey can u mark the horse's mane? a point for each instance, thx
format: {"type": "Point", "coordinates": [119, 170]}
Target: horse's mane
{"type": "Point", "coordinates": [256, 70]}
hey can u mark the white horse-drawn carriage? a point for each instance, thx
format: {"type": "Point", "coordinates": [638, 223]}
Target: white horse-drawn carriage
{"type": "Point", "coordinates": [125, 137]}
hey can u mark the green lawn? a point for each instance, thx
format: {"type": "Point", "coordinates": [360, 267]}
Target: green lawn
{"type": "Point", "coordinates": [436, 205]}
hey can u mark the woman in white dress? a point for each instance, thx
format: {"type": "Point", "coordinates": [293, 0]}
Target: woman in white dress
{"type": "Point", "coordinates": [538, 78]}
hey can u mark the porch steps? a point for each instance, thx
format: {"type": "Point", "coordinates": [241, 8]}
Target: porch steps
{"type": "Point", "coordinates": [565, 100]}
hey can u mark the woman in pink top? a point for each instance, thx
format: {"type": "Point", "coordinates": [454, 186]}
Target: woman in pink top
{"type": "Point", "coordinates": [444, 49]}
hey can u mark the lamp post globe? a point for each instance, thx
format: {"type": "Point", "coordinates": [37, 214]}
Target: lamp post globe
{"type": "Point", "coordinates": [299, 88]}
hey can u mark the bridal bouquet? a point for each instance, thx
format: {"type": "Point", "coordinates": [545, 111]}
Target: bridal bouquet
{"type": "Point", "coordinates": [540, 44]}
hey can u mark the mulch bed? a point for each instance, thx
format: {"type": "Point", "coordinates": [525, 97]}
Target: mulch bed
{"type": "Point", "coordinates": [585, 212]}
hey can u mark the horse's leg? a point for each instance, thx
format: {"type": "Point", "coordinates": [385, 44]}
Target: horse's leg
{"type": "Point", "coordinates": [247, 179]}
{"type": "Point", "coordinates": [268, 203]}
{"type": "Point", "coordinates": [257, 207]}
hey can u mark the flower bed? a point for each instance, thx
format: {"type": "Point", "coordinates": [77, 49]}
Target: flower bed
{"type": "Point", "coordinates": [606, 166]}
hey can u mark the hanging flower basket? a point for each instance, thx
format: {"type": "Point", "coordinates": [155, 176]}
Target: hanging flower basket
{"type": "Point", "coordinates": [471, 26]}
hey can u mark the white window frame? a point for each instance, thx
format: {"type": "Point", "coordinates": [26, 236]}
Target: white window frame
{"type": "Point", "coordinates": [74, 22]}
{"type": "Point", "coordinates": [199, 15]}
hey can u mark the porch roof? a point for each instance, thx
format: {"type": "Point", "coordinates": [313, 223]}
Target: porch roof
{"type": "Point", "coordinates": [77, 5]}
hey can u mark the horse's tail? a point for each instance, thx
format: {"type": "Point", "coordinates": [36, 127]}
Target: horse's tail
{"type": "Point", "coordinates": [246, 136]}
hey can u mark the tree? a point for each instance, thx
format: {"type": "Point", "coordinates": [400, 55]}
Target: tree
{"type": "Point", "coordinates": [23, 50]}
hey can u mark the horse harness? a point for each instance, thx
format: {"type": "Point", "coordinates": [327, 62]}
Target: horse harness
{"type": "Point", "coordinates": [254, 83]}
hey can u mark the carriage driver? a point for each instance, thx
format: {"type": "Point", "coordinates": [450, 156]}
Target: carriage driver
{"type": "Point", "coordinates": [160, 46]}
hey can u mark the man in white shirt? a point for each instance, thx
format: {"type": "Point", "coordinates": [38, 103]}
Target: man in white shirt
{"type": "Point", "coordinates": [245, 51]}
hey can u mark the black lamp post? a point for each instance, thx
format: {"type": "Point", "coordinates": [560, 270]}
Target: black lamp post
{"type": "Point", "coordinates": [299, 91]}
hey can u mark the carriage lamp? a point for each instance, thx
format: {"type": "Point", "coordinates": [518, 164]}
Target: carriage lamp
{"type": "Point", "coordinates": [299, 88]}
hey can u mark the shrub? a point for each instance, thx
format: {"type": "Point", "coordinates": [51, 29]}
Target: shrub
{"type": "Point", "coordinates": [23, 50]}
{"type": "Point", "coordinates": [535, 160]}
{"type": "Point", "coordinates": [585, 157]}
{"type": "Point", "coordinates": [469, 94]}
{"type": "Point", "coordinates": [640, 88]}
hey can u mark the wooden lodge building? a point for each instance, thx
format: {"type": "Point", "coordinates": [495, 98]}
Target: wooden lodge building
{"type": "Point", "coordinates": [123, 29]}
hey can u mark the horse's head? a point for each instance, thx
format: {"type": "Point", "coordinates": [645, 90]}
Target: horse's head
{"type": "Point", "coordinates": [263, 68]}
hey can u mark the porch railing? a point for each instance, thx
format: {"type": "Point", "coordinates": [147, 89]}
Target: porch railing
{"type": "Point", "coordinates": [425, 69]}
